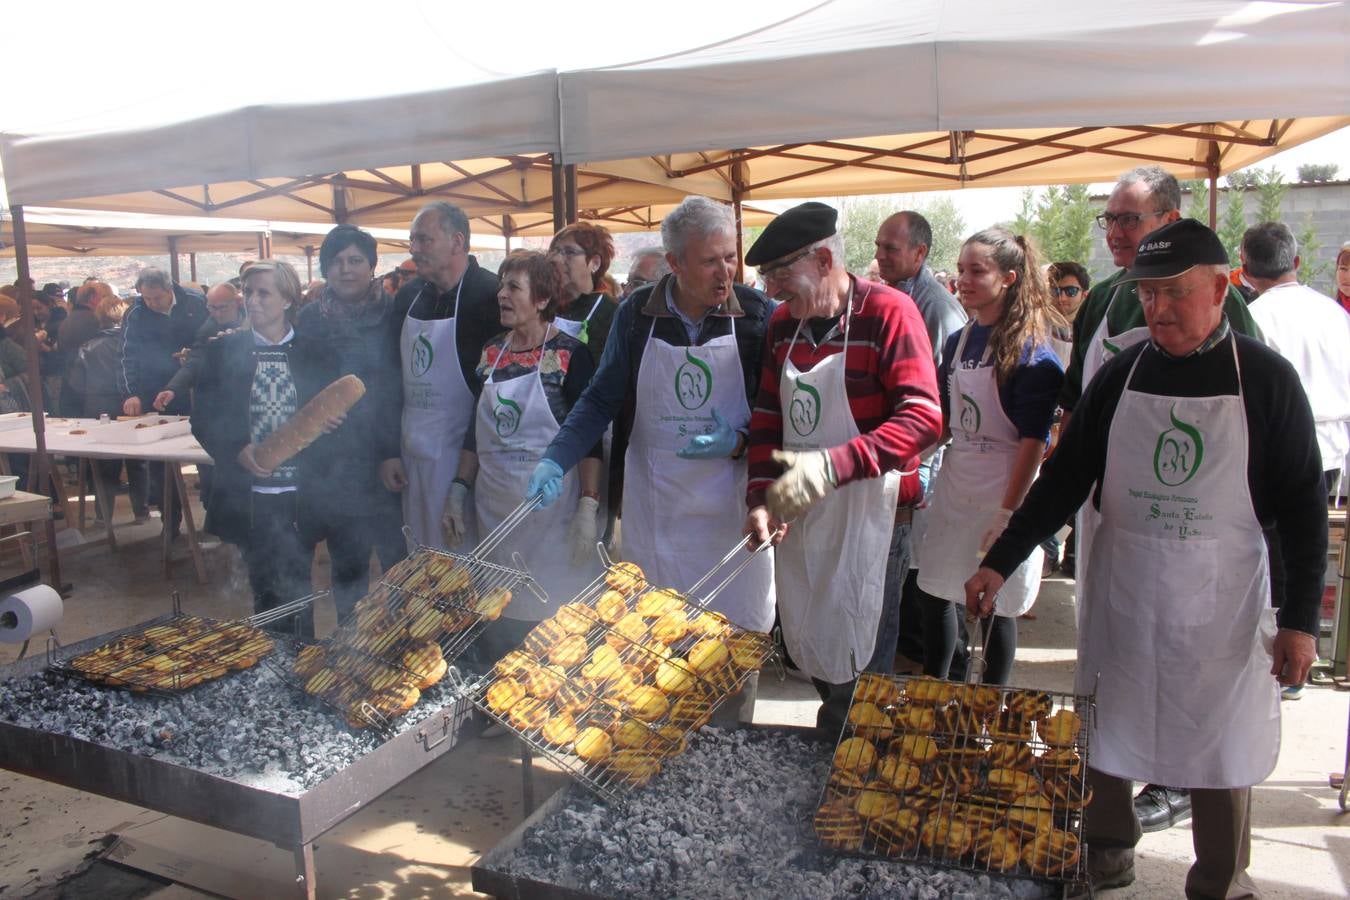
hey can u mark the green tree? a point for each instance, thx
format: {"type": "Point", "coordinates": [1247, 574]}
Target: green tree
{"type": "Point", "coordinates": [1270, 189]}
{"type": "Point", "coordinates": [1233, 222]}
{"type": "Point", "coordinates": [1059, 222]}
{"type": "Point", "coordinates": [1198, 207]}
{"type": "Point", "coordinates": [860, 219]}
{"type": "Point", "coordinates": [1025, 222]}
{"type": "Point", "coordinates": [1310, 270]}
{"type": "Point", "coordinates": [949, 231]}
{"type": "Point", "coordinates": [1317, 172]}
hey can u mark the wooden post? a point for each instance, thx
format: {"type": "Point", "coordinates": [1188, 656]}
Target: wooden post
{"type": "Point", "coordinates": [507, 227]}
{"type": "Point", "coordinates": [1213, 165]}
{"type": "Point", "coordinates": [737, 195]}
{"type": "Point", "coordinates": [173, 258]}
{"type": "Point", "coordinates": [309, 263]}
{"type": "Point", "coordinates": [192, 267]}
{"type": "Point", "coordinates": [570, 186]}
{"type": "Point", "coordinates": [262, 247]}
{"type": "Point", "coordinates": [25, 290]}
{"type": "Point", "coordinates": [559, 201]}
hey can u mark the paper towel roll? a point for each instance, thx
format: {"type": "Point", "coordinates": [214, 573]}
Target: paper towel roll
{"type": "Point", "coordinates": [29, 612]}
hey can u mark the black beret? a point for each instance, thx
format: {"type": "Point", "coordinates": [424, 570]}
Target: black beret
{"type": "Point", "coordinates": [792, 230]}
{"type": "Point", "coordinates": [1175, 248]}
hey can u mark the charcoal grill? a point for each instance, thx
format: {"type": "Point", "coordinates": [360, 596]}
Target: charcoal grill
{"type": "Point", "coordinates": [291, 821]}
{"type": "Point", "coordinates": [603, 699]}
{"type": "Point", "coordinates": [184, 667]}
{"type": "Point", "coordinates": [946, 739]}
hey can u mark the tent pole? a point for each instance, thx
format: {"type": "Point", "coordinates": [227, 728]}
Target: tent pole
{"type": "Point", "coordinates": [309, 263]}
{"type": "Point", "coordinates": [506, 231]}
{"type": "Point", "coordinates": [570, 180]}
{"type": "Point", "coordinates": [262, 253]}
{"type": "Point", "coordinates": [25, 290]}
{"type": "Point", "coordinates": [192, 267]}
{"type": "Point", "coordinates": [1213, 165]}
{"type": "Point", "coordinates": [558, 201]}
{"type": "Point", "coordinates": [267, 244]}
{"type": "Point", "coordinates": [740, 234]}
{"type": "Point", "coordinates": [173, 258]}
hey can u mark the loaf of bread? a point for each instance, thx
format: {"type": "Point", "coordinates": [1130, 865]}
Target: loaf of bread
{"type": "Point", "coordinates": [305, 427]}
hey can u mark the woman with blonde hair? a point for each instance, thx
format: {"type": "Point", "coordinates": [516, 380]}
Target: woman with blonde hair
{"type": "Point", "coordinates": [999, 381]}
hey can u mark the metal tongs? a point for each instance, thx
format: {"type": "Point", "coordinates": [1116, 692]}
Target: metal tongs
{"type": "Point", "coordinates": [493, 539]}
{"type": "Point", "coordinates": [741, 545]}
{"type": "Point", "coordinates": [975, 668]}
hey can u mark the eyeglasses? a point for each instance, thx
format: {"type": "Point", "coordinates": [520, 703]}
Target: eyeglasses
{"type": "Point", "coordinates": [1070, 292]}
{"type": "Point", "coordinates": [636, 281]}
{"type": "Point", "coordinates": [780, 270]}
{"type": "Point", "coordinates": [1150, 294]}
{"type": "Point", "coordinates": [1127, 221]}
{"type": "Point", "coordinates": [567, 251]}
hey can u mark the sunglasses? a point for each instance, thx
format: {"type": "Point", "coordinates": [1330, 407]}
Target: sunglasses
{"type": "Point", "coordinates": [1070, 292]}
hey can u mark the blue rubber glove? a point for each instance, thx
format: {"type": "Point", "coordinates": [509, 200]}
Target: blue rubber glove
{"type": "Point", "coordinates": [719, 444]}
{"type": "Point", "coordinates": [546, 480]}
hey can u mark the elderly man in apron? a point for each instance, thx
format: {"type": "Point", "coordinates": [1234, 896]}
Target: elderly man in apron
{"type": "Point", "coordinates": [1109, 322]}
{"type": "Point", "coordinates": [679, 368]}
{"type": "Point", "coordinates": [440, 322]}
{"type": "Point", "coordinates": [847, 402]}
{"type": "Point", "coordinates": [1189, 443]}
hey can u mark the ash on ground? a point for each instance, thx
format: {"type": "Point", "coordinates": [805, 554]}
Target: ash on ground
{"type": "Point", "coordinates": [251, 726]}
{"type": "Point", "coordinates": [729, 818]}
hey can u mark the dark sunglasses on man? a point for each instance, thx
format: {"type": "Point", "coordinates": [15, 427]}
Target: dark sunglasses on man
{"type": "Point", "coordinates": [1070, 291]}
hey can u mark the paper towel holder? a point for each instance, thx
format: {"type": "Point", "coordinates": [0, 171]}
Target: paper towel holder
{"type": "Point", "coordinates": [14, 584]}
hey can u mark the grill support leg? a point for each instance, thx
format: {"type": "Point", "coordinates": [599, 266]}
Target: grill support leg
{"type": "Point", "coordinates": [306, 883]}
{"type": "Point", "coordinates": [526, 779]}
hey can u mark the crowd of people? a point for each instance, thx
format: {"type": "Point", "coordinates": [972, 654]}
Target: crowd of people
{"type": "Point", "coordinates": [897, 451]}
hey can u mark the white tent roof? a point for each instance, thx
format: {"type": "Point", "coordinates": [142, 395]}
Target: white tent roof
{"type": "Point", "coordinates": [869, 67]}
{"type": "Point", "coordinates": [471, 101]}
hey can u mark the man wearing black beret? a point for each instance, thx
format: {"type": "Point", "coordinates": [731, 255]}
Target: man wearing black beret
{"type": "Point", "coordinates": [1188, 444]}
{"type": "Point", "coordinates": [847, 401]}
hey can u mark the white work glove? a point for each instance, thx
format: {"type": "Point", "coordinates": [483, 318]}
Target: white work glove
{"type": "Point", "coordinates": [807, 478]}
{"type": "Point", "coordinates": [453, 522]}
{"type": "Point", "coordinates": [998, 520]}
{"type": "Point", "coordinates": [583, 530]}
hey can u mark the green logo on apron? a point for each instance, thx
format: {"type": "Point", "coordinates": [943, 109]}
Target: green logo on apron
{"type": "Point", "coordinates": [804, 409]}
{"type": "Point", "coordinates": [693, 382]}
{"type": "Point", "coordinates": [1177, 456]}
{"type": "Point", "coordinates": [969, 419]}
{"type": "Point", "coordinates": [422, 356]}
{"type": "Point", "coordinates": [506, 414]}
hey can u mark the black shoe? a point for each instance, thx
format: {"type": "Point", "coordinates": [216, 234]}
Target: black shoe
{"type": "Point", "coordinates": [1159, 807]}
{"type": "Point", "coordinates": [1106, 870]}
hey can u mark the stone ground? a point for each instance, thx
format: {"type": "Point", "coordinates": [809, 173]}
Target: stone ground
{"type": "Point", "coordinates": [419, 839]}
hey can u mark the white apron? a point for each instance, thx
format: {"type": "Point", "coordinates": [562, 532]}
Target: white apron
{"type": "Point", "coordinates": [579, 328]}
{"type": "Point", "coordinates": [832, 565]}
{"type": "Point", "coordinates": [680, 516]}
{"type": "Point", "coordinates": [437, 410]}
{"type": "Point", "coordinates": [1176, 612]}
{"type": "Point", "coordinates": [513, 427]}
{"type": "Point", "coordinates": [971, 484]}
{"type": "Point", "coordinates": [1100, 349]}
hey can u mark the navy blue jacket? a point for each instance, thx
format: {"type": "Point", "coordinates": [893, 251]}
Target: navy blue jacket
{"type": "Point", "coordinates": [151, 341]}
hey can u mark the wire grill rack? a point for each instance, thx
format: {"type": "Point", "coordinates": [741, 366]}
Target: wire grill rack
{"type": "Point", "coordinates": [613, 683]}
{"type": "Point", "coordinates": [975, 777]}
{"type": "Point", "coordinates": [174, 655]}
{"type": "Point", "coordinates": [403, 636]}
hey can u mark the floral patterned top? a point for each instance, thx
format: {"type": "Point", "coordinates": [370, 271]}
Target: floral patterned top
{"type": "Point", "coordinates": [564, 364]}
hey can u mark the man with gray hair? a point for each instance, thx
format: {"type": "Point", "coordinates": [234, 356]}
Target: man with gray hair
{"type": "Point", "coordinates": [437, 328]}
{"type": "Point", "coordinates": [1191, 443]}
{"type": "Point", "coordinates": [847, 403]}
{"type": "Point", "coordinates": [649, 264]}
{"type": "Point", "coordinates": [679, 373]}
{"type": "Point", "coordinates": [1110, 321]}
{"type": "Point", "coordinates": [1308, 329]}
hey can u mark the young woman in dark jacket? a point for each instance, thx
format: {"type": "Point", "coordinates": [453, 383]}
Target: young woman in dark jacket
{"type": "Point", "coordinates": [252, 382]}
